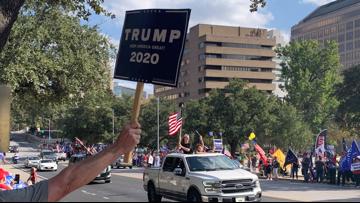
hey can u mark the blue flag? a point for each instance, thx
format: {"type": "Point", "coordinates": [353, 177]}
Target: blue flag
{"type": "Point", "coordinates": [352, 153]}
{"type": "Point", "coordinates": [211, 134]}
{"type": "Point", "coordinates": [290, 158]}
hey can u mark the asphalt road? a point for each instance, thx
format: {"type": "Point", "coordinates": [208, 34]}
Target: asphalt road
{"type": "Point", "coordinates": [126, 186]}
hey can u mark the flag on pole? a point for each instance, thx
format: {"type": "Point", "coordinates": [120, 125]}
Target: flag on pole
{"type": "Point", "coordinates": [82, 144]}
{"type": "Point", "coordinates": [280, 158]}
{"type": "Point", "coordinates": [290, 158]}
{"type": "Point", "coordinates": [352, 153]}
{"type": "Point", "coordinates": [175, 123]}
{"type": "Point", "coordinates": [261, 154]}
{"type": "Point", "coordinates": [320, 144]}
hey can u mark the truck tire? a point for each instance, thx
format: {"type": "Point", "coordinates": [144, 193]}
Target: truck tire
{"type": "Point", "coordinates": [152, 196]}
{"type": "Point", "coordinates": [194, 196]}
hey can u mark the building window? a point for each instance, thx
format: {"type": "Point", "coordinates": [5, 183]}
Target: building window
{"type": "Point", "coordinates": [201, 80]}
{"type": "Point", "coordinates": [341, 47]}
{"type": "Point", "coordinates": [357, 23]}
{"type": "Point", "coordinates": [350, 25]}
{"type": "Point", "coordinates": [349, 56]}
{"type": "Point", "coordinates": [341, 28]}
{"type": "Point", "coordinates": [357, 34]}
{"type": "Point", "coordinates": [201, 68]}
{"type": "Point", "coordinates": [349, 36]}
{"type": "Point", "coordinates": [349, 46]}
{"type": "Point", "coordinates": [202, 57]}
{"type": "Point", "coordinates": [341, 38]}
{"type": "Point", "coordinates": [201, 45]}
{"type": "Point", "coordinates": [357, 44]}
{"type": "Point", "coordinates": [187, 94]}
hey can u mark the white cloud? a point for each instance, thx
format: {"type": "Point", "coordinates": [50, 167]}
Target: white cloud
{"type": "Point", "coordinates": [286, 34]}
{"type": "Point", "coordinates": [224, 12]}
{"type": "Point", "coordinates": [317, 2]}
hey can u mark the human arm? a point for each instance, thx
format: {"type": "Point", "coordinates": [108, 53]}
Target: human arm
{"type": "Point", "coordinates": [185, 148]}
{"type": "Point", "coordinates": [202, 142]}
{"type": "Point", "coordinates": [64, 183]}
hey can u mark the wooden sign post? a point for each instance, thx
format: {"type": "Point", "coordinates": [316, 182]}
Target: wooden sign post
{"type": "Point", "coordinates": [150, 51]}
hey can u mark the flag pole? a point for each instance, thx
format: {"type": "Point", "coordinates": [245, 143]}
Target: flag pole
{"type": "Point", "coordinates": [158, 125]}
{"type": "Point", "coordinates": [181, 105]}
{"type": "Point", "coordinates": [135, 114]}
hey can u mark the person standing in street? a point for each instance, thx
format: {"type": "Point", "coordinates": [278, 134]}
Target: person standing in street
{"type": "Point", "coordinates": [294, 170]}
{"type": "Point", "coordinates": [320, 168]}
{"type": "Point", "coordinates": [33, 176]}
{"type": "Point", "coordinates": [305, 167]}
{"type": "Point", "coordinates": [150, 159]}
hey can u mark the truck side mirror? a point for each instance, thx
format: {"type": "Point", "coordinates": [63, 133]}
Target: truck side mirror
{"type": "Point", "coordinates": [178, 171]}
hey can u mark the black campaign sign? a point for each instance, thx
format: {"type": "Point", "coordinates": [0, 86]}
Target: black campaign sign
{"type": "Point", "coordinates": [152, 45]}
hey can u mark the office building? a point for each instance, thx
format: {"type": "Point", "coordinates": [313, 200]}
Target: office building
{"type": "Point", "coordinates": [215, 54]}
{"type": "Point", "coordinates": [339, 21]}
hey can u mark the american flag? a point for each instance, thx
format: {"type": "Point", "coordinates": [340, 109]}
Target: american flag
{"type": "Point", "coordinates": [175, 123]}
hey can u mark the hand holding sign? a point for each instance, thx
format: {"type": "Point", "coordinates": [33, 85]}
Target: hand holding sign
{"type": "Point", "coordinates": [151, 49]}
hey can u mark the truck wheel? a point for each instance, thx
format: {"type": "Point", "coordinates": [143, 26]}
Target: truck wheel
{"type": "Point", "coordinates": [194, 196]}
{"type": "Point", "coordinates": [107, 181]}
{"type": "Point", "coordinates": [152, 196]}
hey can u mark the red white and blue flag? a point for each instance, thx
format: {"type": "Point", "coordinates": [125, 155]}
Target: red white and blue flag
{"type": "Point", "coordinates": [175, 123]}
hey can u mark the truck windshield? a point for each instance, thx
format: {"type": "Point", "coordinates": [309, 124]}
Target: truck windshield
{"type": "Point", "coordinates": [210, 163]}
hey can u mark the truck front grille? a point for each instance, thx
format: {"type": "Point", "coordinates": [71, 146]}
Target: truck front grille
{"type": "Point", "coordinates": [237, 186]}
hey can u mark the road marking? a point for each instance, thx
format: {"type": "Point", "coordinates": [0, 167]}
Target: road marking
{"type": "Point", "coordinates": [88, 193]}
{"type": "Point", "coordinates": [106, 198]}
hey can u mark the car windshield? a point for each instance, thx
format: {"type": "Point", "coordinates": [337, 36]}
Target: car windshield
{"type": "Point", "coordinates": [33, 158]}
{"type": "Point", "coordinates": [210, 163]}
{"type": "Point", "coordinates": [48, 153]}
{"type": "Point", "coordinates": [46, 161]}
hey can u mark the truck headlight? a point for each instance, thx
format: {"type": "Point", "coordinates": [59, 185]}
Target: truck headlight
{"type": "Point", "coordinates": [257, 183]}
{"type": "Point", "coordinates": [212, 186]}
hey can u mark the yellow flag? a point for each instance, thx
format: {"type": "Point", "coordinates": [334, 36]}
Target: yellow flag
{"type": "Point", "coordinates": [252, 136]}
{"type": "Point", "coordinates": [281, 158]}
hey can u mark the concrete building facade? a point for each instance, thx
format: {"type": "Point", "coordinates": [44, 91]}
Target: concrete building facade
{"type": "Point", "coordinates": [215, 54]}
{"type": "Point", "coordinates": [339, 21]}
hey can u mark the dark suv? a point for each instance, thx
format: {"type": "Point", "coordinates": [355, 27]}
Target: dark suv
{"type": "Point", "coordinates": [105, 175]}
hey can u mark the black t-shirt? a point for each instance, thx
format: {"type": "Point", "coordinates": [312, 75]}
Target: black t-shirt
{"type": "Point", "coordinates": [189, 147]}
{"type": "Point", "coordinates": [319, 165]}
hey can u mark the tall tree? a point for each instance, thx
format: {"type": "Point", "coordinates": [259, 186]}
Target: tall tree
{"type": "Point", "coordinates": [9, 10]}
{"type": "Point", "coordinates": [311, 72]}
{"type": "Point", "coordinates": [42, 66]}
{"type": "Point", "coordinates": [348, 94]}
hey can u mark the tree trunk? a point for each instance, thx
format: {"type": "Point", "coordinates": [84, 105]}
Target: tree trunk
{"type": "Point", "coordinates": [233, 147]}
{"type": "Point", "coordinates": [9, 10]}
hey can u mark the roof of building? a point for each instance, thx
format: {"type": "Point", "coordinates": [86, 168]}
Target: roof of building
{"type": "Point", "coordinates": [330, 7]}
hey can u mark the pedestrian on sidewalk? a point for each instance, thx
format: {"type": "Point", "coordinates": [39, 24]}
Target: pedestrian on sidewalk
{"type": "Point", "coordinates": [276, 166]}
{"type": "Point", "coordinates": [306, 162]}
{"type": "Point", "coordinates": [268, 169]}
{"type": "Point", "coordinates": [61, 185]}
{"type": "Point", "coordinates": [294, 170]}
{"type": "Point", "coordinates": [2, 157]}
{"type": "Point", "coordinates": [33, 176]}
{"type": "Point", "coordinates": [320, 168]}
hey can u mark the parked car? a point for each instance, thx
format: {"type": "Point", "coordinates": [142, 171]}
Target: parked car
{"type": "Point", "coordinates": [32, 162]}
{"type": "Point", "coordinates": [201, 177]}
{"type": "Point", "coordinates": [14, 149]}
{"type": "Point", "coordinates": [119, 163]}
{"type": "Point", "coordinates": [47, 165]}
{"type": "Point", "coordinates": [105, 175]}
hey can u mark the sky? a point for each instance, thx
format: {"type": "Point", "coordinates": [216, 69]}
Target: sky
{"type": "Point", "coordinates": [277, 14]}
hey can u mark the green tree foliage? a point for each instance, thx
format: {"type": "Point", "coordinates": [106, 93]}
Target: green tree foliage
{"type": "Point", "coordinates": [311, 72]}
{"type": "Point", "coordinates": [348, 93]}
{"type": "Point", "coordinates": [51, 59]}
{"type": "Point", "coordinates": [148, 121]}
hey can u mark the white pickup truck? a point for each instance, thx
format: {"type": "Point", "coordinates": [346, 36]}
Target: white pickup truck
{"type": "Point", "coordinates": [201, 178]}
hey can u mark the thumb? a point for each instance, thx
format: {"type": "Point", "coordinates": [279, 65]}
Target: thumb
{"type": "Point", "coordinates": [135, 124]}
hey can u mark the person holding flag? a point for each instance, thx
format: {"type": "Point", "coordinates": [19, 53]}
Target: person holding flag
{"type": "Point", "coordinates": [291, 158]}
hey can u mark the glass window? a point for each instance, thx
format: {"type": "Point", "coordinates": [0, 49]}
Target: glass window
{"type": "Point", "coordinates": [357, 33]}
{"type": "Point", "coordinates": [341, 28]}
{"type": "Point", "coordinates": [349, 36]}
{"type": "Point", "coordinates": [201, 45]}
{"type": "Point", "coordinates": [357, 23]}
{"type": "Point", "coordinates": [169, 164]}
{"type": "Point", "coordinates": [349, 46]}
{"type": "Point", "coordinates": [341, 47]}
{"type": "Point", "coordinates": [341, 38]}
{"type": "Point", "coordinates": [321, 33]}
{"type": "Point", "coordinates": [357, 44]}
{"type": "Point", "coordinates": [350, 25]}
